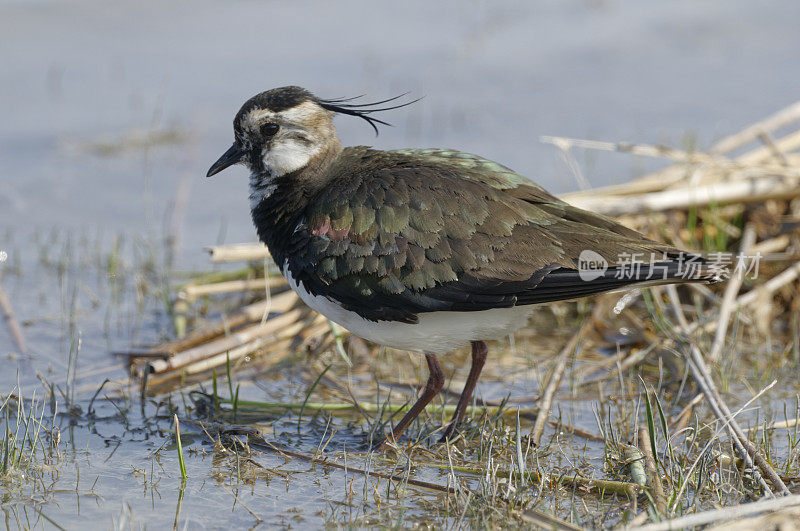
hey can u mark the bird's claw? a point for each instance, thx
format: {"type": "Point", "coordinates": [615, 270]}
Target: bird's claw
{"type": "Point", "coordinates": [449, 431]}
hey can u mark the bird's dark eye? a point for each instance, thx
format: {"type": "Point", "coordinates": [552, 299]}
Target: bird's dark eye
{"type": "Point", "coordinates": [269, 129]}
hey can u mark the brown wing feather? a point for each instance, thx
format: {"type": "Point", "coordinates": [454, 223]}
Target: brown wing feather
{"type": "Point", "coordinates": [414, 232]}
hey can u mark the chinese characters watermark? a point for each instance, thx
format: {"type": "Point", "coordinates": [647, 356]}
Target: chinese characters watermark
{"type": "Point", "coordinates": [655, 266]}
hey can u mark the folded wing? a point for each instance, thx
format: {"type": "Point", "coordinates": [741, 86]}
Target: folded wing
{"type": "Point", "coordinates": [435, 230]}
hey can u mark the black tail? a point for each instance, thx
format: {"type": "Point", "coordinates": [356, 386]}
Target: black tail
{"type": "Point", "coordinates": [564, 283]}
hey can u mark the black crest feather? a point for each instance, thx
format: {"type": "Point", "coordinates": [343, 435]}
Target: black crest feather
{"type": "Point", "coordinates": [363, 110]}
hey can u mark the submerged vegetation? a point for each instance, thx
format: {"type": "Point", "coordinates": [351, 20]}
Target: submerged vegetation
{"type": "Point", "coordinates": [648, 408]}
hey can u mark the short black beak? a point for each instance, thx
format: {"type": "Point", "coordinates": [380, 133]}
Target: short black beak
{"type": "Point", "coordinates": [232, 156]}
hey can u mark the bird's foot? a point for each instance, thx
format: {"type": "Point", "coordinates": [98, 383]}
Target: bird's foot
{"type": "Point", "coordinates": [449, 432]}
{"type": "Point", "coordinates": [378, 448]}
{"type": "Point", "coordinates": [382, 446]}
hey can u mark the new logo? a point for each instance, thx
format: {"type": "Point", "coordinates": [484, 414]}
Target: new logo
{"type": "Point", "coordinates": [591, 265]}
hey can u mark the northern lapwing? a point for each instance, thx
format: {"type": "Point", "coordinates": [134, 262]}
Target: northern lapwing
{"type": "Point", "coordinates": [425, 250]}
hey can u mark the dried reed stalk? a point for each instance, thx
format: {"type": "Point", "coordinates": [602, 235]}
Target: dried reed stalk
{"type": "Point", "coordinates": [723, 513]}
{"type": "Point", "coordinates": [256, 311]}
{"type": "Point", "coordinates": [758, 188]}
{"type": "Point", "coordinates": [662, 179]}
{"type": "Point", "coordinates": [702, 375]}
{"type": "Point", "coordinates": [239, 338]}
{"type": "Point", "coordinates": [240, 252]}
{"type": "Point", "coordinates": [193, 291]}
{"type": "Point", "coordinates": [554, 382]}
{"type": "Point", "coordinates": [728, 299]}
{"type": "Point", "coordinates": [653, 478]}
{"type": "Point", "coordinates": [267, 351]}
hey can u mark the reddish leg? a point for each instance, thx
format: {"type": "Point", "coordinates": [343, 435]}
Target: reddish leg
{"type": "Point", "coordinates": [479, 352]}
{"type": "Point", "coordinates": [432, 387]}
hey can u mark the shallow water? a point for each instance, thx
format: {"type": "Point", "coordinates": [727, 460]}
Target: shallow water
{"type": "Point", "coordinates": [112, 113]}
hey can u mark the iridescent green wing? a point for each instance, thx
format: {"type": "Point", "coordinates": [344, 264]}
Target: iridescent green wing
{"type": "Point", "coordinates": [472, 167]}
{"type": "Point", "coordinates": [568, 218]}
{"type": "Point", "coordinates": [398, 233]}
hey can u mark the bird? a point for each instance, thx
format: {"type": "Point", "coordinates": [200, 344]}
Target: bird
{"type": "Point", "coordinates": [424, 250]}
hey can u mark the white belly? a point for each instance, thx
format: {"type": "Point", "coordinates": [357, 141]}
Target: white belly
{"type": "Point", "coordinates": [436, 332]}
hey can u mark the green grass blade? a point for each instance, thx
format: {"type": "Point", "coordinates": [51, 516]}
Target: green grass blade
{"type": "Point", "coordinates": [181, 461]}
{"type": "Point", "coordinates": [228, 372]}
{"type": "Point", "coordinates": [308, 395]}
{"type": "Point", "coordinates": [6, 441]}
{"type": "Point", "coordinates": [236, 404]}
{"type": "Point", "coordinates": [214, 388]}
{"type": "Point", "coordinates": [651, 428]}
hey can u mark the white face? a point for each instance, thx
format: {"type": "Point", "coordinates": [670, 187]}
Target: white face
{"type": "Point", "coordinates": [303, 131]}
